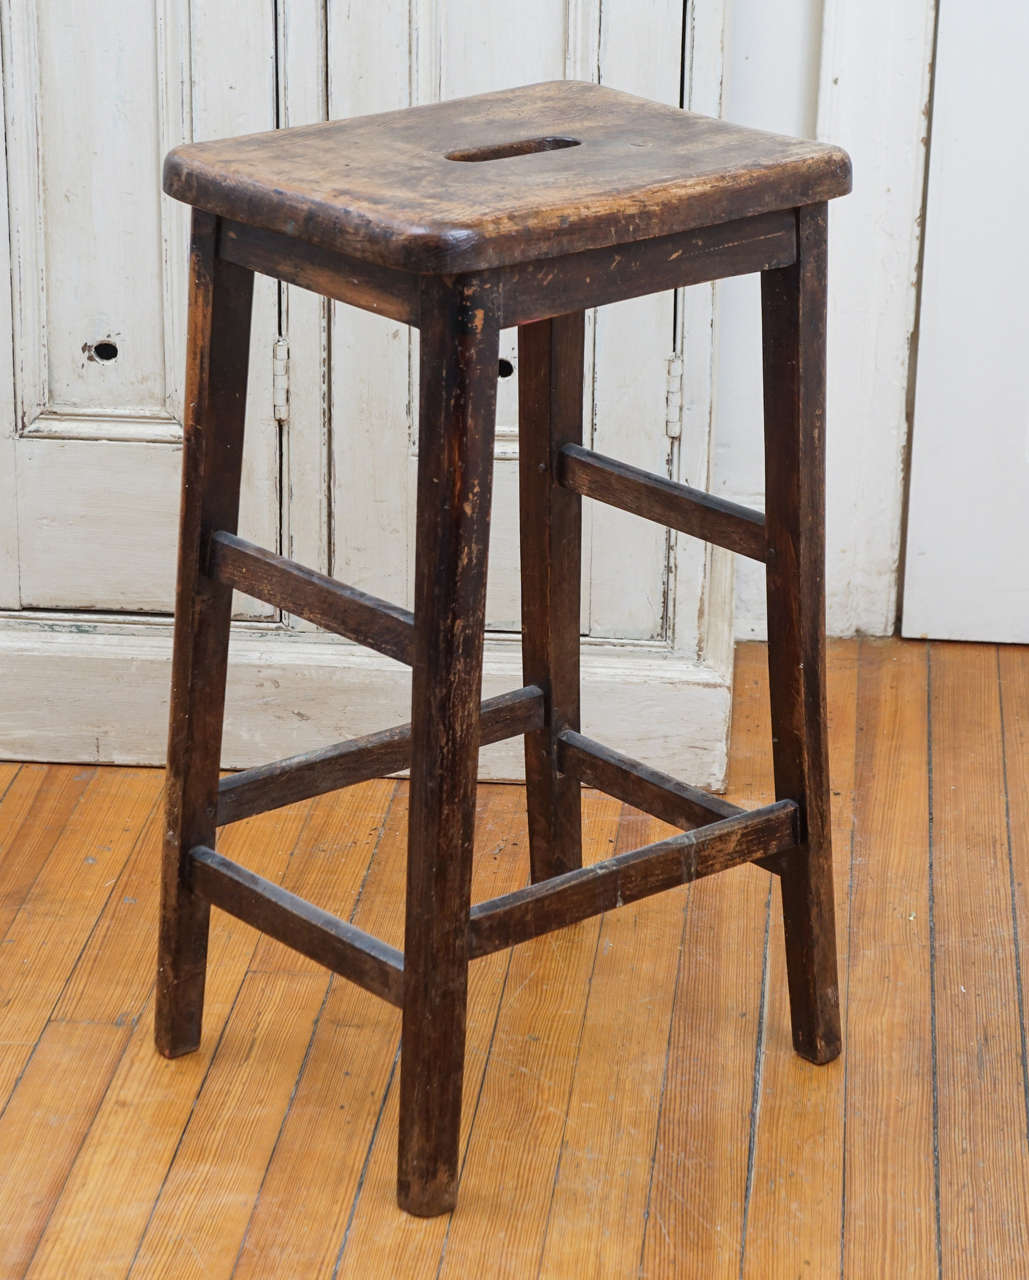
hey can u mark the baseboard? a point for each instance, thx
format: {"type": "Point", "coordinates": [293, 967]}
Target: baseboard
{"type": "Point", "coordinates": [97, 691]}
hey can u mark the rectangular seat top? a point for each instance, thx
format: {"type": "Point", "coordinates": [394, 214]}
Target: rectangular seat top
{"type": "Point", "coordinates": [501, 178]}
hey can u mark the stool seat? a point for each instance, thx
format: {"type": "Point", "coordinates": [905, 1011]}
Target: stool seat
{"type": "Point", "coordinates": [503, 178]}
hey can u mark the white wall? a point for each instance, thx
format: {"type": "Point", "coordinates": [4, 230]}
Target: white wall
{"type": "Point", "coordinates": [857, 75]}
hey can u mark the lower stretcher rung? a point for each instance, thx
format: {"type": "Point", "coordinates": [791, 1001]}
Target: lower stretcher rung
{"type": "Point", "coordinates": [306, 928]}
{"type": "Point", "coordinates": [577, 895]}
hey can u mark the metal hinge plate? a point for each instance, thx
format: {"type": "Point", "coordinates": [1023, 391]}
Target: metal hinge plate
{"type": "Point", "coordinates": [280, 379]}
{"type": "Point", "coordinates": [673, 398]}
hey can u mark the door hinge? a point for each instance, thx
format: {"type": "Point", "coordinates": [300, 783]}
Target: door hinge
{"type": "Point", "coordinates": [673, 398]}
{"type": "Point", "coordinates": [280, 379]}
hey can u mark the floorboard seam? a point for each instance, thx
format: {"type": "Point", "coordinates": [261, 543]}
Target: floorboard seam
{"type": "Point", "coordinates": [932, 967]}
{"type": "Point", "coordinates": [1019, 988]}
{"type": "Point", "coordinates": [755, 1098]}
{"type": "Point", "coordinates": [664, 1079]}
{"type": "Point", "coordinates": [185, 1127]}
{"type": "Point", "coordinates": [475, 1109]}
{"type": "Point", "coordinates": [314, 1032]}
{"type": "Point", "coordinates": [571, 1087]}
{"type": "Point", "coordinates": [367, 1161]}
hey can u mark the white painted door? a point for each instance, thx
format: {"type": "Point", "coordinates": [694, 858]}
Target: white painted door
{"type": "Point", "coordinates": [463, 47]}
{"type": "Point", "coordinates": [968, 520]}
{"type": "Point", "coordinates": [94, 95]}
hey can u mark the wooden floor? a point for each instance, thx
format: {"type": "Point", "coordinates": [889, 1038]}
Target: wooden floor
{"type": "Point", "coordinates": [633, 1105]}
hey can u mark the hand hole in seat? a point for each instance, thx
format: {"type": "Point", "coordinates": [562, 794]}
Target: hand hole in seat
{"type": "Point", "coordinates": [505, 368]}
{"type": "Point", "coordinates": [503, 150]}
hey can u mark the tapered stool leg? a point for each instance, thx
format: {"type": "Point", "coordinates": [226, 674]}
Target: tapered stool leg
{"type": "Point", "coordinates": [216, 383]}
{"type": "Point", "coordinates": [550, 376]}
{"type": "Point", "coordinates": [794, 306]}
{"type": "Point", "coordinates": [459, 350]}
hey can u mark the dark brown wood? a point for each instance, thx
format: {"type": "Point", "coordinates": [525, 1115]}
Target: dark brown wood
{"type": "Point", "coordinates": [458, 354]}
{"type": "Point", "coordinates": [334, 275]}
{"type": "Point", "coordinates": [216, 384]}
{"type": "Point", "coordinates": [522, 207]}
{"type": "Point", "coordinates": [550, 395]}
{"type": "Point", "coordinates": [329, 604]}
{"type": "Point", "coordinates": [270, 786]}
{"type": "Point", "coordinates": [793, 308]}
{"type": "Point", "coordinates": [315, 933]}
{"type": "Point", "coordinates": [677, 506]}
{"type": "Point", "coordinates": [534, 290]}
{"type": "Point", "coordinates": [381, 188]}
{"type": "Point", "coordinates": [637, 784]}
{"type": "Point", "coordinates": [577, 895]}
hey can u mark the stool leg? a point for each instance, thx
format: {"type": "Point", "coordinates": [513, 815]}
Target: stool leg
{"type": "Point", "coordinates": [550, 375]}
{"type": "Point", "coordinates": [793, 307]}
{"type": "Point", "coordinates": [459, 352]}
{"type": "Point", "coordinates": [216, 382]}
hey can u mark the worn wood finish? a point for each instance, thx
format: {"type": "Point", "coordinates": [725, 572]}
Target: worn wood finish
{"type": "Point", "coordinates": [459, 345]}
{"type": "Point", "coordinates": [271, 786]}
{"type": "Point", "coordinates": [339, 946]}
{"type": "Point", "coordinates": [793, 311]}
{"type": "Point", "coordinates": [677, 506]}
{"type": "Point", "coordinates": [524, 208]}
{"type": "Point", "coordinates": [577, 895]}
{"type": "Point", "coordinates": [594, 277]}
{"type": "Point", "coordinates": [641, 170]}
{"type": "Point", "coordinates": [216, 384]}
{"type": "Point", "coordinates": [550, 378]}
{"type": "Point", "coordinates": [637, 784]}
{"type": "Point", "coordinates": [334, 275]}
{"type": "Point", "coordinates": [374, 623]}
{"type": "Point", "coordinates": [530, 291]}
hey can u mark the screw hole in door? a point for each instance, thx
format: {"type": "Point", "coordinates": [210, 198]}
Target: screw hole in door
{"type": "Point", "coordinates": [503, 150]}
{"type": "Point", "coordinates": [505, 368]}
{"type": "Point", "coordinates": [105, 350]}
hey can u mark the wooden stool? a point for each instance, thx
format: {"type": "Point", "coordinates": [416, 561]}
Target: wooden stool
{"type": "Point", "coordinates": [515, 208]}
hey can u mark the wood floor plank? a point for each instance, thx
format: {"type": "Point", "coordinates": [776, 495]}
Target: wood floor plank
{"type": "Point", "coordinates": [205, 1203]}
{"type": "Point", "coordinates": [1013, 671]}
{"type": "Point", "coordinates": [331, 869]}
{"type": "Point", "coordinates": [890, 1223]}
{"type": "Point", "coordinates": [695, 1221]}
{"type": "Point", "coordinates": [283, 1140]}
{"type": "Point", "coordinates": [984, 1174]}
{"type": "Point", "coordinates": [522, 1058]}
{"type": "Point", "coordinates": [43, 1127]}
{"type": "Point", "coordinates": [114, 1183]}
{"type": "Point", "coordinates": [598, 1209]}
{"type": "Point", "coordinates": [795, 1214]}
{"type": "Point", "coordinates": [516, 1143]}
{"type": "Point", "coordinates": [339, 1101]}
{"type": "Point", "coordinates": [37, 802]}
{"type": "Point", "coordinates": [55, 920]}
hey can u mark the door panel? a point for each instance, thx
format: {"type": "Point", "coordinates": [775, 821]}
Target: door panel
{"type": "Point", "coordinates": [968, 519]}
{"type": "Point", "coordinates": [458, 50]}
{"type": "Point", "coordinates": [94, 96]}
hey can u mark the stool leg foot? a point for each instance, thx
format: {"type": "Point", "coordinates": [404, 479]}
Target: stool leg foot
{"type": "Point", "coordinates": [459, 351]}
{"type": "Point", "coordinates": [550, 376]}
{"type": "Point", "coordinates": [793, 305]}
{"type": "Point", "coordinates": [216, 381]}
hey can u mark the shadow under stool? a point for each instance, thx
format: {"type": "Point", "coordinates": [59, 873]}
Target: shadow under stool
{"type": "Point", "coordinates": [523, 208]}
